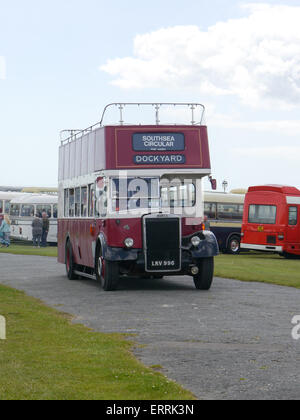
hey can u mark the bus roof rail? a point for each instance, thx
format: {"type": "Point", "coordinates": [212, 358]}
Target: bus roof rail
{"type": "Point", "coordinates": [193, 107]}
{"type": "Point", "coordinates": [157, 107]}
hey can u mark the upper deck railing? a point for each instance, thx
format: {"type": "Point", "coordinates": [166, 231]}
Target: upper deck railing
{"type": "Point", "coordinates": [157, 110]}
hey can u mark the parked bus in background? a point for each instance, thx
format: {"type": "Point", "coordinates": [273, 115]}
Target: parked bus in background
{"type": "Point", "coordinates": [22, 211]}
{"type": "Point", "coordinates": [272, 220]}
{"type": "Point", "coordinates": [131, 200]}
{"type": "Point", "coordinates": [40, 190]}
{"type": "Point", "coordinates": [225, 215]}
{"type": "Point", "coordinates": [5, 199]}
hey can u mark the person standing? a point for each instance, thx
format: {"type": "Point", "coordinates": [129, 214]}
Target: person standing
{"type": "Point", "coordinates": [5, 231]}
{"type": "Point", "coordinates": [37, 230]}
{"type": "Point", "coordinates": [46, 225]}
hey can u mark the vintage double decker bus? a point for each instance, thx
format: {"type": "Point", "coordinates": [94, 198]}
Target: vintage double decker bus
{"type": "Point", "coordinates": [271, 220]}
{"type": "Point", "coordinates": [131, 199]}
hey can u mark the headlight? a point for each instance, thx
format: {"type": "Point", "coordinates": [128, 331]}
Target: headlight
{"type": "Point", "coordinates": [195, 241]}
{"type": "Point", "coordinates": [129, 242]}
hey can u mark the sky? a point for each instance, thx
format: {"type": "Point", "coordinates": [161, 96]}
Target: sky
{"type": "Point", "coordinates": [62, 61]}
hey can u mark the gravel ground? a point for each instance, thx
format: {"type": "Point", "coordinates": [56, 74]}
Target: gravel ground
{"type": "Point", "coordinates": [233, 342]}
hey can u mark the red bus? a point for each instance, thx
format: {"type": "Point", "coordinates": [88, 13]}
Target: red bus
{"type": "Point", "coordinates": [271, 220]}
{"type": "Point", "coordinates": [131, 200]}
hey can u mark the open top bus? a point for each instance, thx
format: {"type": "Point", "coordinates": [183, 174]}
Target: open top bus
{"type": "Point", "coordinates": [131, 199]}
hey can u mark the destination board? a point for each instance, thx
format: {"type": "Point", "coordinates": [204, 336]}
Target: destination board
{"type": "Point", "coordinates": [158, 142]}
{"type": "Point", "coordinates": [159, 159]}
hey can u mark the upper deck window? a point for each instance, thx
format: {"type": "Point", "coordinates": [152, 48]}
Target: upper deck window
{"type": "Point", "coordinates": [262, 214]}
{"type": "Point", "coordinates": [1, 206]}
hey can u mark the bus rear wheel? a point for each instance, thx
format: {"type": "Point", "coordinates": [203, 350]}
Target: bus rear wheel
{"type": "Point", "coordinates": [234, 245]}
{"type": "Point", "coordinates": [107, 272]}
{"type": "Point", "coordinates": [70, 265]}
{"type": "Point", "coordinates": [203, 280]}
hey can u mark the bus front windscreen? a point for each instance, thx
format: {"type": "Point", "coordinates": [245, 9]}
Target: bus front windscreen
{"type": "Point", "coordinates": [134, 193]}
{"type": "Point", "coordinates": [143, 193]}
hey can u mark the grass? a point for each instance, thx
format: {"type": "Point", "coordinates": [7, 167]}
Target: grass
{"type": "Point", "coordinates": [17, 249]}
{"type": "Point", "coordinates": [260, 267]}
{"type": "Point", "coordinates": [45, 357]}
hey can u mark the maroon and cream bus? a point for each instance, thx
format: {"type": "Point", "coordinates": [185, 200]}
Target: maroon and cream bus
{"type": "Point", "coordinates": [131, 199]}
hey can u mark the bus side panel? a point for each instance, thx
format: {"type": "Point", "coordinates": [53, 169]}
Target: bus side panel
{"type": "Point", "coordinates": [62, 232]}
{"type": "Point", "coordinates": [223, 233]}
{"type": "Point", "coordinates": [86, 242]}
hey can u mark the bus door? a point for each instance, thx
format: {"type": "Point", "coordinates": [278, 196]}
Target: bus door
{"type": "Point", "coordinates": [293, 230]}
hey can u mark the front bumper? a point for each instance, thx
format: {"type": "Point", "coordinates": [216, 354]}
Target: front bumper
{"type": "Point", "coordinates": [271, 248]}
{"type": "Point", "coordinates": [208, 247]}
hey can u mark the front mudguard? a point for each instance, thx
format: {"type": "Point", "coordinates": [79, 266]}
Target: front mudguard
{"type": "Point", "coordinates": [208, 247]}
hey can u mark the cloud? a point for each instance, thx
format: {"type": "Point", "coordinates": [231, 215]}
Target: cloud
{"type": "Point", "coordinates": [2, 68]}
{"type": "Point", "coordinates": [255, 58]}
{"type": "Point", "coordinates": [286, 127]}
{"type": "Point", "coordinates": [283, 153]}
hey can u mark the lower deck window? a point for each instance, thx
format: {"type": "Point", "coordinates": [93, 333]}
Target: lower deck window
{"type": "Point", "coordinates": [262, 214]}
{"type": "Point", "coordinates": [27, 210]}
{"type": "Point", "coordinates": [293, 216]}
{"type": "Point", "coordinates": [40, 209]}
{"type": "Point", "coordinates": [14, 210]}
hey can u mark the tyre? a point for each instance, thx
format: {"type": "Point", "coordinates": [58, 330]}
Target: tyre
{"type": "Point", "coordinates": [203, 280]}
{"type": "Point", "coordinates": [234, 245]}
{"type": "Point", "coordinates": [70, 265]}
{"type": "Point", "coordinates": [107, 272]}
{"type": "Point", "coordinates": [290, 256]}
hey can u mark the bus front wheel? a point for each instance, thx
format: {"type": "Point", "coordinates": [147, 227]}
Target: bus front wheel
{"type": "Point", "coordinates": [107, 272]}
{"type": "Point", "coordinates": [203, 280]}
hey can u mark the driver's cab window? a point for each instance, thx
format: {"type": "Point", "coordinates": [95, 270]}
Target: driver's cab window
{"type": "Point", "coordinates": [101, 197]}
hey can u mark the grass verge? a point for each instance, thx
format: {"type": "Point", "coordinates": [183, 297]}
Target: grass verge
{"type": "Point", "coordinates": [261, 267]}
{"type": "Point", "coordinates": [17, 249]}
{"type": "Point", "coordinates": [45, 357]}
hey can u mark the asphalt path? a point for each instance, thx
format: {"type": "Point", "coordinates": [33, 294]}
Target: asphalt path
{"type": "Point", "coordinates": [232, 342]}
